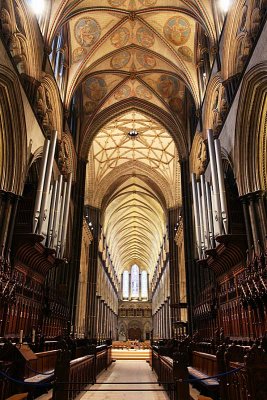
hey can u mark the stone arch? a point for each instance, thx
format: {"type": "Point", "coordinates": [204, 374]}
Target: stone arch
{"type": "Point", "coordinates": [234, 22]}
{"type": "Point", "coordinates": [20, 34]}
{"type": "Point", "coordinates": [251, 132]}
{"type": "Point", "coordinates": [13, 138]}
{"type": "Point", "coordinates": [122, 173]}
{"type": "Point", "coordinates": [174, 126]}
{"type": "Point", "coordinates": [52, 104]}
{"type": "Point", "coordinates": [242, 26]}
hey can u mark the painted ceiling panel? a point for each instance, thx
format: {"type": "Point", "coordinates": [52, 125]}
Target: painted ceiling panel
{"type": "Point", "coordinates": [96, 88]}
{"type": "Point", "coordinates": [135, 88]}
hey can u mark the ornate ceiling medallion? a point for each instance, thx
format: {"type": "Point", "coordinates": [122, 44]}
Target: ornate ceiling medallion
{"type": "Point", "coordinates": [87, 31]}
{"type": "Point", "coordinates": [177, 30]}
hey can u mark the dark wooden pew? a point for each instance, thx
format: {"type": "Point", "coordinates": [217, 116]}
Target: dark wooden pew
{"type": "Point", "coordinates": [41, 369]}
{"type": "Point", "coordinates": [72, 376]}
{"type": "Point", "coordinates": [202, 366]}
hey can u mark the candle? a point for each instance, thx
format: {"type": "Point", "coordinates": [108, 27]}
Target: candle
{"type": "Point", "coordinates": [21, 336]}
{"type": "Point", "coordinates": [33, 336]}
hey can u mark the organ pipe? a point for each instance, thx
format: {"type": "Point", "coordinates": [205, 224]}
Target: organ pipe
{"type": "Point", "coordinates": [39, 192]}
{"type": "Point", "coordinates": [215, 183]}
{"type": "Point", "coordinates": [218, 155]}
{"type": "Point", "coordinates": [201, 219]}
{"type": "Point", "coordinates": [47, 180]}
{"type": "Point", "coordinates": [210, 216]}
{"type": "Point", "coordinates": [196, 211]}
{"type": "Point", "coordinates": [66, 214]}
{"type": "Point", "coordinates": [56, 213]}
{"type": "Point", "coordinates": [52, 213]}
{"type": "Point", "coordinates": [61, 218]}
{"type": "Point", "coordinates": [205, 211]}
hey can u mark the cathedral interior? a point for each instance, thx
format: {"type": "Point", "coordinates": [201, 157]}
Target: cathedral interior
{"type": "Point", "coordinates": [133, 207]}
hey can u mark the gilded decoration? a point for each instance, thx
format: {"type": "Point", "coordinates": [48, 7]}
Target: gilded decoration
{"type": "Point", "coordinates": [87, 31]}
{"type": "Point", "coordinates": [145, 37]}
{"type": "Point", "coordinates": [177, 30]}
{"type": "Point", "coordinates": [120, 60]}
{"type": "Point", "coordinates": [120, 37]}
{"type": "Point", "coordinates": [146, 60]}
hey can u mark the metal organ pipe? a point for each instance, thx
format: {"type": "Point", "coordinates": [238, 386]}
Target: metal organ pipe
{"type": "Point", "coordinates": [39, 192]}
{"type": "Point", "coordinates": [218, 154]}
{"type": "Point", "coordinates": [204, 211]}
{"type": "Point", "coordinates": [56, 213]}
{"type": "Point", "coordinates": [196, 211]}
{"type": "Point", "coordinates": [215, 182]}
{"type": "Point", "coordinates": [210, 216]}
{"type": "Point", "coordinates": [201, 219]}
{"type": "Point", "coordinates": [52, 214]}
{"type": "Point", "coordinates": [47, 180]}
{"type": "Point", "coordinates": [66, 214]}
{"type": "Point", "coordinates": [61, 218]}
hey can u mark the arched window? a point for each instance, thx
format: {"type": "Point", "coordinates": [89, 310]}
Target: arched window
{"type": "Point", "coordinates": [125, 285]}
{"type": "Point", "coordinates": [135, 282]}
{"type": "Point", "coordinates": [144, 291]}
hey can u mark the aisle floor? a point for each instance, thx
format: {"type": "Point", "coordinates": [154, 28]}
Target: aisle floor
{"type": "Point", "coordinates": [126, 371]}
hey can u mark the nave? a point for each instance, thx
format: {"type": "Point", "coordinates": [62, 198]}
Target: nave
{"type": "Point", "coordinates": [129, 372]}
{"type": "Point", "coordinates": [133, 195]}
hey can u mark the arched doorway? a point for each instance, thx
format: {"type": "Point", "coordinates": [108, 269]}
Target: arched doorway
{"type": "Point", "coordinates": [134, 334]}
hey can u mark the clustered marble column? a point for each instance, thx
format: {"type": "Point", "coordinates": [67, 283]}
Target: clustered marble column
{"type": "Point", "coordinates": [255, 219]}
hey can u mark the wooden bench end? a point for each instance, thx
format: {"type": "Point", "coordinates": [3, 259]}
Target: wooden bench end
{"type": "Point", "coordinates": [19, 396]}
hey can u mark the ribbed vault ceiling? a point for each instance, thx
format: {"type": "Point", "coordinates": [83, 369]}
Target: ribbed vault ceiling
{"type": "Point", "coordinates": [134, 212]}
{"type": "Point", "coordinates": [134, 225]}
{"type": "Point", "coordinates": [133, 55]}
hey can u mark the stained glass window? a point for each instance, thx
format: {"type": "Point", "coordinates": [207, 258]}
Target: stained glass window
{"type": "Point", "coordinates": [135, 281]}
{"type": "Point", "coordinates": [144, 293]}
{"type": "Point", "coordinates": [125, 285]}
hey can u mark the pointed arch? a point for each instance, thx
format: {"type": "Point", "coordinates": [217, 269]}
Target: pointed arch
{"type": "Point", "coordinates": [251, 132]}
{"type": "Point", "coordinates": [13, 138]}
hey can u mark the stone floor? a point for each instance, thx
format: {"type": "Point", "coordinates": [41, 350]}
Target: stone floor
{"type": "Point", "coordinates": [126, 371]}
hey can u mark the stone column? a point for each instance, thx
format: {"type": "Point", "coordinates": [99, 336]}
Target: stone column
{"type": "Point", "coordinates": [78, 202]}
{"type": "Point", "coordinates": [188, 242]}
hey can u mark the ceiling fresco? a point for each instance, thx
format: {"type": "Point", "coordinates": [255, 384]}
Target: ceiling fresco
{"type": "Point", "coordinates": [165, 28]}
{"type": "Point", "coordinates": [134, 56]}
